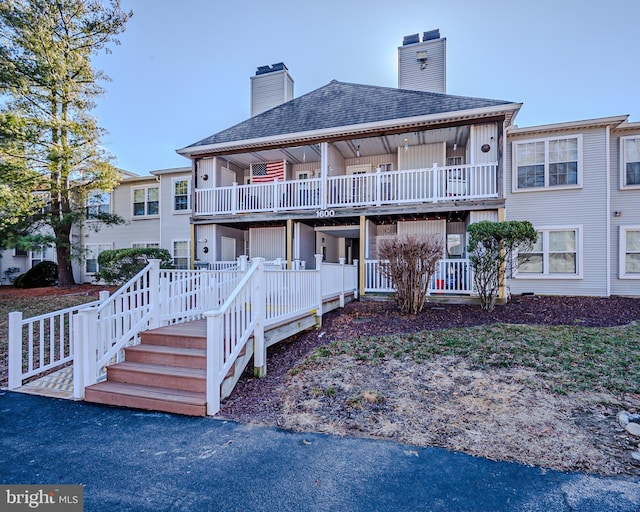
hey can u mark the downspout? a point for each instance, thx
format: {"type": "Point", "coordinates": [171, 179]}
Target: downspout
{"type": "Point", "coordinates": [608, 206]}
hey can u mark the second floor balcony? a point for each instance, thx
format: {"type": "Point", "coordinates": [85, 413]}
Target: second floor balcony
{"type": "Point", "coordinates": [427, 185]}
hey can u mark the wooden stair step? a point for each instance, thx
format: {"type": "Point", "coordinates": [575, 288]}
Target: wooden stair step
{"type": "Point", "coordinates": [167, 356]}
{"type": "Point", "coordinates": [174, 377]}
{"type": "Point", "coordinates": [150, 398]}
{"type": "Point", "coordinates": [187, 335]}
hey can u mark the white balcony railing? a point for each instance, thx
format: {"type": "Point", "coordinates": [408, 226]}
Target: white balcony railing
{"type": "Point", "coordinates": [435, 184]}
{"type": "Point", "coordinates": [451, 276]}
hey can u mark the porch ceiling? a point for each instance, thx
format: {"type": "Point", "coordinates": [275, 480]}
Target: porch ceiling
{"type": "Point", "coordinates": [368, 146]}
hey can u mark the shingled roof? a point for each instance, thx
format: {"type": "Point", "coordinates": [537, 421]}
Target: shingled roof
{"type": "Point", "coordinates": [344, 104]}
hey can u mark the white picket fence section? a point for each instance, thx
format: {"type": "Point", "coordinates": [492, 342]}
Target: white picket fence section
{"type": "Point", "coordinates": [434, 184]}
{"type": "Point", "coordinates": [452, 276]}
{"type": "Point", "coordinates": [41, 343]}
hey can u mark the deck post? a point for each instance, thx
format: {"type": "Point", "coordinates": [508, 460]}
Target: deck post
{"type": "Point", "coordinates": [342, 280]}
{"type": "Point", "coordinates": [434, 182]}
{"type": "Point", "coordinates": [319, 285]}
{"type": "Point", "coordinates": [355, 290]}
{"type": "Point", "coordinates": [78, 355]}
{"type": "Point", "coordinates": [258, 298]}
{"type": "Point", "coordinates": [215, 361]}
{"type": "Point", "coordinates": [15, 349]}
{"type": "Point", "coordinates": [242, 262]}
{"type": "Point", "coordinates": [234, 197]}
{"type": "Point", "coordinates": [154, 293]}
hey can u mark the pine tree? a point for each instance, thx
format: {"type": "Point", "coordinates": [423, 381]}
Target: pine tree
{"type": "Point", "coordinates": [50, 153]}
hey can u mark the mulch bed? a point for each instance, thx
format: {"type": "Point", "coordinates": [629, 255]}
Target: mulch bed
{"type": "Point", "coordinates": [255, 399]}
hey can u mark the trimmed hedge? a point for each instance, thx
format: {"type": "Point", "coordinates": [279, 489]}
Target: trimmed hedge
{"type": "Point", "coordinates": [44, 273]}
{"type": "Point", "coordinates": [117, 266]}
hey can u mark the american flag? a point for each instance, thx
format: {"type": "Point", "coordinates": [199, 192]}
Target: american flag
{"type": "Point", "coordinates": [261, 173]}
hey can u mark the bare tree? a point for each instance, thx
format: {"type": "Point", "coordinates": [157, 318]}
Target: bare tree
{"type": "Point", "coordinates": [409, 262]}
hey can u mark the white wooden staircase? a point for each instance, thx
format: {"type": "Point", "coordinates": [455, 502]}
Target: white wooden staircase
{"type": "Point", "coordinates": [165, 372]}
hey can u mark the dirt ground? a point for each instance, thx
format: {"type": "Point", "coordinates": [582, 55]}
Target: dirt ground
{"type": "Point", "coordinates": [501, 414]}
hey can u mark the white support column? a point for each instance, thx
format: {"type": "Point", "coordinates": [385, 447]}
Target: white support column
{"type": "Point", "coordinates": [15, 349]}
{"type": "Point", "coordinates": [276, 205]}
{"type": "Point", "coordinates": [319, 285]}
{"type": "Point", "coordinates": [157, 308]}
{"type": "Point", "coordinates": [258, 299]}
{"type": "Point", "coordinates": [342, 271]}
{"type": "Point", "coordinates": [434, 182]}
{"type": "Point", "coordinates": [378, 186]}
{"type": "Point", "coordinates": [324, 174]}
{"type": "Point", "coordinates": [215, 360]}
{"type": "Point", "coordinates": [355, 289]}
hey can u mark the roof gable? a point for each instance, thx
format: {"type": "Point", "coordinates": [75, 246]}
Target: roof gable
{"type": "Point", "coordinates": [344, 104]}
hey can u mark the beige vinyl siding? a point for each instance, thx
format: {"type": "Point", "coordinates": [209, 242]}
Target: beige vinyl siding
{"type": "Point", "coordinates": [585, 207]}
{"type": "Point", "coordinates": [433, 77]}
{"type": "Point", "coordinates": [268, 243]}
{"type": "Point", "coordinates": [374, 161]}
{"type": "Point", "coordinates": [478, 216]}
{"type": "Point", "coordinates": [304, 246]}
{"type": "Point", "coordinates": [270, 90]}
{"type": "Point", "coordinates": [482, 134]}
{"type": "Point", "coordinates": [627, 203]}
{"type": "Point", "coordinates": [174, 225]}
{"type": "Point", "coordinates": [422, 156]}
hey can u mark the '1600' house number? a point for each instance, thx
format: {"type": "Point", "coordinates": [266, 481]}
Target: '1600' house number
{"type": "Point", "coordinates": [325, 213]}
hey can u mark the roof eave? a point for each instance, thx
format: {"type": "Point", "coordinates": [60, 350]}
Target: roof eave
{"type": "Point", "coordinates": [299, 138]}
{"type": "Point", "coordinates": [613, 121]}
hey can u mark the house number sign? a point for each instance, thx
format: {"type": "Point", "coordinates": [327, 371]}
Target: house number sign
{"type": "Point", "coordinates": [325, 213]}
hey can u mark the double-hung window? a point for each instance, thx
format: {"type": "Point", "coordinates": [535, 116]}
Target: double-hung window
{"type": "Point", "coordinates": [629, 252]}
{"type": "Point", "coordinates": [146, 201]}
{"type": "Point", "coordinates": [145, 245]}
{"type": "Point", "coordinates": [98, 203]}
{"type": "Point", "coordinates": [41, 254]}
{"type": "Point", "coordinates": [180, 254]}
{"type": "Point", "coordinates": [547, 163]}
{"type": "Point", "coordinates": [92, 251]}
{"type": "Point", "coordinates": [556, 254]}
{"type": "Point", "coordinates": [630, 161]}
{"type": "Point", "coordinates": [181, 194]}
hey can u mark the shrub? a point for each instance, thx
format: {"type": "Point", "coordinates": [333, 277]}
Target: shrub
{"type": "Point", "coordinates": [44, 273]}
{"type": "Point", "coordinates": [410, 262]}
{"type": "Point", "coordinates": [117, 266]}
{"type": "Point", "coordinates": [492, 246]}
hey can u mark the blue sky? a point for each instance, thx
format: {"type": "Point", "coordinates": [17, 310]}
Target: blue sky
{"type": "Point", "coordinates": [183, 68]}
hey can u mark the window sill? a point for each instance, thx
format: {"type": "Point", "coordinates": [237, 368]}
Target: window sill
{"type": "Point", "coordinates": [181, 212]}
{"type": "Point", "coordinates": [629, 276]}
{"type": "Point", "coordinates": [536, 277]}
{"type": "Point", "coordinates": [145, 217]}
{"type": "Point", "coordinates": [555, 188]}
{"type": "Point", "coordinates": [630, 187]}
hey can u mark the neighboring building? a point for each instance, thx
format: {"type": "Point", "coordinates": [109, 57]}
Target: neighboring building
{"type": "Point", "coordinates": [156, 209]}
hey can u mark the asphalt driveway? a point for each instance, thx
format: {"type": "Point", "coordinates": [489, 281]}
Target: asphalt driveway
{"type": "Point", "coordinates": [134, 460]}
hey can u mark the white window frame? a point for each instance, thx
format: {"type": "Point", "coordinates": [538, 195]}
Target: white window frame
{"type": "Point", "coordinates": [545, 274]}
{"type": "Point", "coordinates": [623, 163]}
{"type": "Point", "coordinates": [40, 254]}
{"type": "Point", "coordinates": [93, 202]}
{"type": "Point", "coordinates": [173, 252]}
{"type": "Point", "coordinates": [88, 250]}
{"type": "Point", "coordinates": [622, 261]}
{"type": "Point", "coordinates": [145, 245]}
{"type": "Point", "coordinates": [546, 187]}
{"type": "Point", "coordinates": [146, 214]}
{"type": "Point", "coordinates": [173, 195]}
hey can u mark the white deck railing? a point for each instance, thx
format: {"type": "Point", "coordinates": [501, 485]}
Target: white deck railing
{"type": "Point", "coordinates": [451, 276]}
{"type": "Point", "coordinates": [435, 184]}
{"type": "Point", "coordinates": [41, 343]}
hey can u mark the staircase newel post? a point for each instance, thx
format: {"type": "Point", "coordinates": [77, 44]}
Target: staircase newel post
{"type": "Point", "coordinates": [242, 262]}
{"type": "Point", "coordinates": [355, 290]}
{"type": "Point", "coordinates": [15, 349]}
{"type": "Point", "coordinates": [78, 355]}
{"type": "Point", "coordinates": [154, 293]}
{"type": "Point", "coordinates": [215, 360]}
{"type": "Point", "coordinates": [89, 338]}
{"type": "Point", "coordinates": [319, 291]}
{"type": "Point", "coordinates": [258, 306]}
